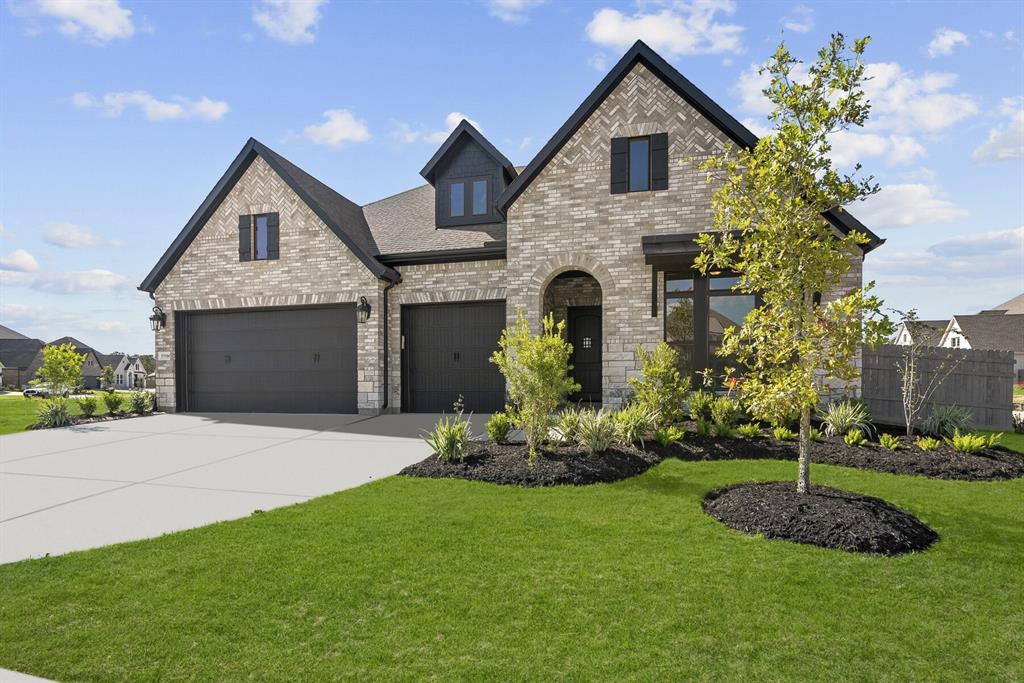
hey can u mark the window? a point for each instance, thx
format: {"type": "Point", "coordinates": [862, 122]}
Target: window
{"type": "Point", "coordinates": [479, 197]}
{"type": "Point", "coordinates": [639, 164]}
{"type": "Point", "coordinates": [457, 206]}
{"type": "Point", "coordinates": [955, 342]}
{"type": "Point", "coordinates": [259, 237]}
{"type": "Point", "coordinates": [698, 310]}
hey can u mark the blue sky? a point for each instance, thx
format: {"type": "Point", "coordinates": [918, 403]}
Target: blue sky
{"type": "Point", "coordinates": [117, 117]}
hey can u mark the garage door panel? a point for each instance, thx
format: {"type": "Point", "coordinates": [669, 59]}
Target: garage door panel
{"type": "Point", "coordinates": [287, 360]}
{"type": "Point", "coordinates": [447, 353]}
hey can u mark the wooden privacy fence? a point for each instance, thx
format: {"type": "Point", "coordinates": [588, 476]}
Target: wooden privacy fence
{"type": "Point", "coordinates": [982, 382]}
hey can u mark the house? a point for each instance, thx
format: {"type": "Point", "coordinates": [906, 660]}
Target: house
{"type": "Point", "coordinates": [129, 372]}
{"type": "Point", "coordinates": [17, 356]}
{"type": "Point", "coordinates": [990, 330]}
{"type": "Point", "coordinates": [920, 332]}
{"type": "Point", "coordinates": [1014, 306]}
{"type": "Point", "coordinates": [282, 295]}
{"type": "Point", "coordinates": [8, 333]}
{"type": "Point", "coordinates": [91, 367]}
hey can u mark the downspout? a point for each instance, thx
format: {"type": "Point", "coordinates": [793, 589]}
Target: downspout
{"type": "Point", "coordinates": [387, 320]}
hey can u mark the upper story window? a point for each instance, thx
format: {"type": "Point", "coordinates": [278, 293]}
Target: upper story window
{"type": "Point", "coordinates": [639, 164]}
{"type": "Point", "coordinates": [258, 237]}
{"type": "Point", "coordinates": [458, 200]}
{"type": "Point", "coordinates": [468, 197]}
{"type": "Point", "coordinates": [479, 197]}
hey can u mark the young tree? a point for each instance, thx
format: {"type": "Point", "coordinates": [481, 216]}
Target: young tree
{"type": "Point", "coordinates": [61, 369]}
{"type": "Point", "coordinates": [772, 197]}
{"type": "Point", "coordinates": [912, 392]}
{"type": "Point", "coordinates": [536, 368]}
{"type": "Point", "coordinates": [107, 378]}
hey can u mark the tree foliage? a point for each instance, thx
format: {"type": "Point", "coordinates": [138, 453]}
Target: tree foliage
{"type": "Point", "coordinates": [660, 389]}
{"type": "Point", "coordinates": [768, 212]}
{"type": "Point", "coordinates": [61, 369]}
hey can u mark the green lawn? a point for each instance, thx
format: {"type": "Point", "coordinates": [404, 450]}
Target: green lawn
{"type": "Point", "coordinates": [18, 412]}
{"type": "Point", "coordinates": [412, 579]}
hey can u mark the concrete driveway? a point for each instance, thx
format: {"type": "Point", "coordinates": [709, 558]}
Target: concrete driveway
{"type": "Point", "coordinates": [81, 487]}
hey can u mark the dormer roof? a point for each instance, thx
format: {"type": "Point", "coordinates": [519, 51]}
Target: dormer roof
{"type": "Point", "coordinates": [467, 129]}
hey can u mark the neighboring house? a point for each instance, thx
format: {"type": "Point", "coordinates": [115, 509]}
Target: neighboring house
{"type": "Point", "coordinates": [1014, 306]}
{"type": "Point", "coordinates": [992, 331]}
{"type": "Point", "coordinates": [17, 356]}
{"type": "Point", "coordinates": [91, 367]}
{"type": "Point", "coordinates": [263, 286]}
{"type": "Point", "coordinates": [129, 372]}
{"type": "Point", "coordinates": [920, 332]}
{"type": "Point", "coordinates": [8, 333]}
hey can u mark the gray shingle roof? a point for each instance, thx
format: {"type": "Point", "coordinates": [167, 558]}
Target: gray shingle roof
{"type": "Point", "coordinates": [993, 332]}
{"type": "Point", "coordinates": [18, 353]}
{"type": "Point", "coordinates": [928, 332]}
{"type": "Point", "coordinates": [1014, 306]}
{"type": "Point", "coordinates": [405, 223]}
{"type": "Point", "coordinates": [8, 333]}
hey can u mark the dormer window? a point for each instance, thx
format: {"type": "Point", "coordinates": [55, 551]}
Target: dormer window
{"type": "Point", "coordinates": [468, 197]}
{"type": "Point", "coordinates": [458, 200]}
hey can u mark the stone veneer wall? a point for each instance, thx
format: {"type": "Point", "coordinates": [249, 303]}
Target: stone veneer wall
{"type": "Point", "coordinates": [563, 293]}
{"type": "Point", "coordinates": [436, 283]}
{"type": "Point", "coordinates": [314, 268]}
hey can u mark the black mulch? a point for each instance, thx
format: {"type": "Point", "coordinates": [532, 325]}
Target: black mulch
{"type": "Point", "coordinates": [824, 517]}
{"type": "Point", "coordinates": [507, 464]}
{"type": "Point", "coordinates": [943, 463]}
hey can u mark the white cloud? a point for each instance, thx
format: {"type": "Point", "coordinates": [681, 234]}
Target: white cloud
{"type": "Point", "coordinates": [49, 322]}
{"type": "Point", "coordinates": [757, 127]}
{"type": "Point", "coordinates": [907, 204]}
{"type": "Point", "coordinates": [66, 282]}
{"type": "Point", "coordinates": [20, 261]}
{"type": "Point", "coordinates": [852, 147]}
{"type": "Point", "coordinates": [1004, 142]}
{"type": "Point", "coordinates": [113, 104]}
{"type": "Point", "coordinates": [599, 61]}
{"type": "Point", "coordinates": [945, 41]}
{"type": "Point", "coordinates": [995, 255]}
{"type": "Point", "coordinates": [405, 134]}
{"type": "Point", "coordinates": [799, 20]}
{"type": "Point", "coordinates": [513, 11]}
{"type": "Point", "coordinates": [751, 85]}
{"type": "Point", "coordinates": [290, 21]}
{"type": "Point", "coordinates": [71, 236]}
{"type": "Point", "coordinates": [340, 127]}
{"type": "Point", "coordinates": [685, 28]}
{"type": "Point", "coordinates": [905, 103]}
{"type": "Point", "coordinates": [94, 21]}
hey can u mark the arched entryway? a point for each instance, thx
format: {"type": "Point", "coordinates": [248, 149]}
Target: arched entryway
{"type": "Point", "coordinates": [575, 297]}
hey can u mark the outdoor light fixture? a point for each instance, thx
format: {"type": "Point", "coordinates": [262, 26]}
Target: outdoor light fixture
{"type": "Point", "coordinates": [158, 320]}
{"type": "Point", "coordinates": [363, 310]}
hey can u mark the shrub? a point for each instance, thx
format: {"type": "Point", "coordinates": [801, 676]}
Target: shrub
{"type": "Point", "coordinates": [87, 405]}
{"type": "Point", "coordinates": [993, 439]}
{"type": "Point", "coordinates": [667, 436]}
{"type": "Point", "coordinates": [816, 434]}
{"type": "Point", "coordinates": [855, 437]}
{"type": "Point", "coordinates": [967, 442]}
{"type": "Point", "coordinates": [701, 403]}
{"type": "Point", "coordinates": [842, 416]}
{"type": "Point", "coordinates": [136, 402]}
{"type": "Point", "coordinates": [946, 421]}
{"type": "Point", "coordinates": [723, 431]}
{"type": "Point", "coordinates": [53, 412]}
{"type": "Point", "coordinates": [634, 422]}
{"type": "Point", "coordinates": [725, 411]}
{"type": "Point", "coordinates": [150, 401]}
{"type": "Point", "coordinates": [113, 402]}
{"type": "Point", "coordinates": [704, 427]}
{"type": "Point", "coordinates": [660, 388]}
{"type": "Point", "coordinates": [889, 442]}
{"type": "Point", "coordinates": [568, 423]}
{"type": "Point", "coordinates": [784, 433]}
{"type": "Point", "coordinates": [498, 427]}
{"type": "Point", "coordinates": [536, 371]}
{"type": "Point", "coordinates": [927, 443]}
{"type": "Point", "coordinates": [596, 432]}
{"type": "Point", "coordinates": [450, 438]}
{"type": "Point", "coordinates": [749, 430]}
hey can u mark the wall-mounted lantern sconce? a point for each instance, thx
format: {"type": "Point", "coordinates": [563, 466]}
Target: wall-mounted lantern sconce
{"type": "Point", "coordinates": [158, 320]}
{"type": "Point", "coordinates": [363, 310]}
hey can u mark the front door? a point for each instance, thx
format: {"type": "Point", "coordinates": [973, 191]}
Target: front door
{"type": "Point", "coordinates": [584, 330]}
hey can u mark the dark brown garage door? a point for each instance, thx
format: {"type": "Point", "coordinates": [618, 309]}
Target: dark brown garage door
{"type": "Point", "coordinates": [446, 352]}
{"type": "Point", "coordinates": [273, 361]}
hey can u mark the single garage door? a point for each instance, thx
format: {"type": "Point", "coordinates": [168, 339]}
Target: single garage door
{"type": "Point", "coordinates": [299, 360]}
{"type": "Point", "coordinates": [446, 350]}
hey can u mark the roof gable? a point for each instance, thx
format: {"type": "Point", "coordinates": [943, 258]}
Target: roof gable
{"type": "Point", "coordinates": [344, 218]}
{"type": "Point", "coordinates": [992, 332]}
{"type": "Point", "coordinates": [466, 129]}
{"type": "Point", "coordinates": [640, 53]}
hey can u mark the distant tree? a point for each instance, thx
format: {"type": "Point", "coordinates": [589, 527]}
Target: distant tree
{"type": "Point", "coordinates": [913, 394]}
{"type": "Point", "coordinates": [107, 377]}
{"type": "Point", "coordinates": [61, 369]}
{"type": "Point", "coordinates": [773, 197]}
{"type": "Point", "coordinates": [149, 363]}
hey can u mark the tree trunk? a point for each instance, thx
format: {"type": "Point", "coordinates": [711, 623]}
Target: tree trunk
{"type": "Point", "coordinates": [803, 481]}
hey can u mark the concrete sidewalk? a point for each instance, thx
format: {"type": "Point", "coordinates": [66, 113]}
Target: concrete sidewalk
{"type": "Point", "coordinates": [81, 487]}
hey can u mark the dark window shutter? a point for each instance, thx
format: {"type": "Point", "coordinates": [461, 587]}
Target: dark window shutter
{"type": "Point", "coordinates": [620, 166]}
{"type": "Point", "coordinates": [245, 238]}
{"type": "Point", "coordinates": [273, 236]}
{"type": "Point", "coordinates": [659, 161]}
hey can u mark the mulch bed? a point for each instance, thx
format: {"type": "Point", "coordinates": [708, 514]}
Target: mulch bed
{"type": "Point", "coordinates": [507, 464]}
{"type": "Point", "coordinates": [824, 517]}
{"type": "Point", "coordinates": [943, 463]}
{"type": "Point", "coordinates": [79, 421]}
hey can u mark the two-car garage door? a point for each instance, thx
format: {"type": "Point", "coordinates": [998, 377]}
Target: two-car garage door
{"type": "Point", "coordinates": [299, 360]}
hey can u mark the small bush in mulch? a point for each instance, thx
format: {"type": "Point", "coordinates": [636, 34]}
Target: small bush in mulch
{"type": "Point", "coordinates": [942, 463]}
{"type": "Point", "coordinates": [554, 466]}
{"type": "Point", "coordinates": [824, 517]}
